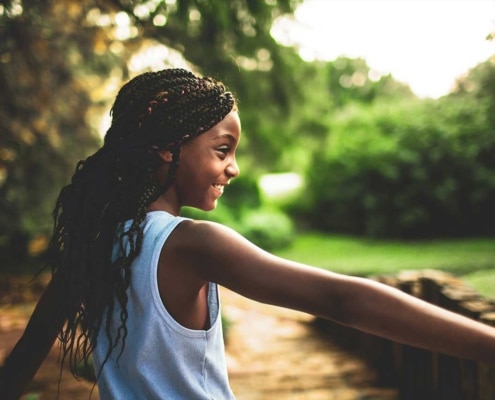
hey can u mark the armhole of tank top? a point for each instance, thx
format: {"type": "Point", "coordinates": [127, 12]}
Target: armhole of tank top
{"type": "Point", "coordinates": [213, 303]}
{"type": "Point", "coordinates": [155, 291]}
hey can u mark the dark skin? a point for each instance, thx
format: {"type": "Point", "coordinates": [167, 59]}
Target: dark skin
{"type": "Point", "coordinates": [199, 252]}
{"type": "Point", "coordinates": [34, 345]}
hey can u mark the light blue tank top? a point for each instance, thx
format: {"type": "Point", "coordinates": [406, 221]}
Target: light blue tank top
{"type": "Point", "coordinates": [161, 358]}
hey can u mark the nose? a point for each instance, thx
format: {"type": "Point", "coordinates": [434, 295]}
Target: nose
{"type": "Point", "coordinates": [233, 169]}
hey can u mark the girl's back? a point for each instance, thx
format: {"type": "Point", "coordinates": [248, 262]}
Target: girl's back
{"type": "Point", "coordinates": [161, 358]}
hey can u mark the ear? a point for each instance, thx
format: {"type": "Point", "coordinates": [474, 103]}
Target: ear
{"type": "Point", "coordinates": [165, 155]}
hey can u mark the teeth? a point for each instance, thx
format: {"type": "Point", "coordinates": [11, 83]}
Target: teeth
{"type": "Point", "coordinates": [219, 187]}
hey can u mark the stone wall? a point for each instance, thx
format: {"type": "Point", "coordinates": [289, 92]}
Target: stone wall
{"type": "Point", "coordinates": [420, 374]}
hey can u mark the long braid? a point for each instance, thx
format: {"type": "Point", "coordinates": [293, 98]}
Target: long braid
{"type": "Point", "coordinates": [152, 112]}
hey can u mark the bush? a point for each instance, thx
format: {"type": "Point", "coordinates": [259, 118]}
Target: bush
{"type": "Point", "coordinates": [270, 229]}
{"type": "Point", "coordinates": [241, 208]}
{"type": "Point", "coordinates": [421, 169]}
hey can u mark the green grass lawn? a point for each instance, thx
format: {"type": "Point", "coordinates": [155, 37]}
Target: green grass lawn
{"type": "Point", "coordinates": [472, 259]}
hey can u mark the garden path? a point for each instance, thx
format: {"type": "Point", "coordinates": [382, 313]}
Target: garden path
{"type": "Point", "coordinates": [275, 353]}
{"type": "Point", "coordinates": [272, 353]}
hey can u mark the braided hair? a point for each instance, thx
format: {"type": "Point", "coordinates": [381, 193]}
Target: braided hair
{"type": "Point", "coordinates": [154, 111]}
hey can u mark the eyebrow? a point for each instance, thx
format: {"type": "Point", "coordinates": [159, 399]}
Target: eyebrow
{"type": "Point", "coordinates": [225, 135]}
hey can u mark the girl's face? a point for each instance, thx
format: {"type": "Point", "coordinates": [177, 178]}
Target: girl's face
{"type": "Point", "coordinates": [206, 165]}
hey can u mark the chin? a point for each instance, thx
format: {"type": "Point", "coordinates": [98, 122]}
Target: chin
{"type": "Point", "coordinates": [211, 207]}
{"type": "Point", "coordinates": [207, 207]}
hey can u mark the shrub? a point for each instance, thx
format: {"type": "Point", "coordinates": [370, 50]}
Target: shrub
{"type": "Point", "coordinates": [268, 228]}
{"type": "Point", "coordinates": [242, 209]}
{"type": "Point", "coordinates": [410, 170]}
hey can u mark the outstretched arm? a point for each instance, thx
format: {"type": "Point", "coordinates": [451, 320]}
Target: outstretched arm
{"type": "Point", "coordinates": [32, 348]}
{"type": "Point", "coordinates": [220, 255]}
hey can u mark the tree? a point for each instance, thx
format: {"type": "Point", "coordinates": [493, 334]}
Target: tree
{"type": "Point", "coordinates": [413, 169]}
{"type": "Point", "coordinates": [479, 85]}
{"type": "Point", "coordinates": [57, 59]}
{"type": "Point", "coordinates": [352, 80]}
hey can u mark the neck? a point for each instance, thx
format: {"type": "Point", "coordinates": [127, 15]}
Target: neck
{"type": "Point", "coordinates": [161, 204]}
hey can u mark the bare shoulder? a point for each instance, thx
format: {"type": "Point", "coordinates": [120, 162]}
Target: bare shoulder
{"type": "Point", "coordinates": [207, 242]}
{"type": "Point", "coordinates": [219, 254]}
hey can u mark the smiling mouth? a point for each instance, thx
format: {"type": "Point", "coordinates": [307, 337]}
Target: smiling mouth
{"type": "Point", "coordinates": [219, 187]}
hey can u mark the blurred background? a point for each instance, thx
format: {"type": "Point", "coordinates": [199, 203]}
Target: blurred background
{"type": "Point", "coordinates": [369, 126]}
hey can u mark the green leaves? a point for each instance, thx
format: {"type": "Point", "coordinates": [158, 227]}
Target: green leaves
{"type": "Point", "coordinates": [413, 169]}
{"type": "Point", "coordinates": [61, 64]}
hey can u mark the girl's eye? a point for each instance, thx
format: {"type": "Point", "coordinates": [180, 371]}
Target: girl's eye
{"type": "Point", "coordinates": [223, 149]}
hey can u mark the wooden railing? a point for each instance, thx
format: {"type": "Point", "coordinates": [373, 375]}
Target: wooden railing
{"type": "Point", "coordinates": [420, 374]}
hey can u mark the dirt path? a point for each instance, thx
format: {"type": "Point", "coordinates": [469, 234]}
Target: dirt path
{"type": "Point", "coordinates": [272, 353]}
{"type": "Point", "coordinates": [45, 385]}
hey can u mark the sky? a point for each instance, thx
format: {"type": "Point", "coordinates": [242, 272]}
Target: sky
{"type": "Point", "coordinates": [424, 43]}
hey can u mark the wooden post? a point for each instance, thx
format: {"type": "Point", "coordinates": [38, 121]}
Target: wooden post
{"type": "Point", "coordinates": [416, 364]}
{"type": "Point", "coordinates": [486, 373]}
{"type": "Point", "coordinates": [419, 374]}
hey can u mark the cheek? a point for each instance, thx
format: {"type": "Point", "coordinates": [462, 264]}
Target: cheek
{"type": "Point", "coordinates": [189, 179]}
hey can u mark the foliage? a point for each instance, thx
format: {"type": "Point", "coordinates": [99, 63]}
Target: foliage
{"type": "Point", "coordinates": [42, 114]}
{"type": "Point", "coordinates": [243, 209]}
{"type": "Point", "coordinates": [352, 80]}
{"type": "Point", "coordinates": [413, 169]}
{"type": "Point", "coordinates": [269, 228]}
{"type": "Point", "coordinates": [62, 61]}
{"type": "Point", "coordinates": [479, 85]}
{"type": "Point", "coordinates": [326, 88]}
{"type": "Point", "coordinates": [267, 121]}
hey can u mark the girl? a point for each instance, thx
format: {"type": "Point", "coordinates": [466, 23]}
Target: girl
{"type": "Point", "coordinates": [134, 285]}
